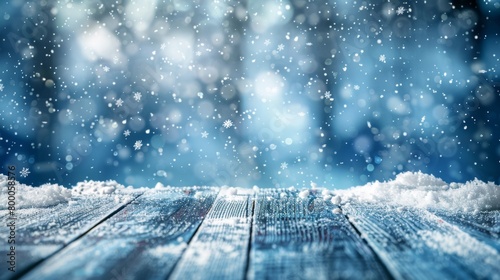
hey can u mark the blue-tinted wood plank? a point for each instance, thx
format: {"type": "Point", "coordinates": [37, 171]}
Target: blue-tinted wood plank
{"type": "Point", "coordinates": [296, 238]}
{"type": "Point", "coordinates": [142, 241]}
{"type": "Point", "coordinates": [219, 248]}
{"type": "Point", "coordinates": [483, 226]}
{"type": "Point", "coordinates": [40, 232]}
{"type": "Point", "coordinates": [416, 244]}
{"type": "Point", "coordinates": [485, 222]}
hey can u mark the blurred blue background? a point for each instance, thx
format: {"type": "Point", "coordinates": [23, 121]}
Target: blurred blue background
{"type": "Point", "coordinates": [243, 93]}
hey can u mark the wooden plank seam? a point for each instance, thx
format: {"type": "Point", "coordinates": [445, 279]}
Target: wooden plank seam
{"type": "Point", "coordinates": [111, 214]}
{"type": "Point", "coordinates": [250, 240]}
{"type": "Point", "coordinates": [190, 240]}
{"type": "Point", "coordinates": [378, 257]}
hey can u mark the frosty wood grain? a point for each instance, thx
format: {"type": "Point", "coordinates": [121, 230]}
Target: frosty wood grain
{"type": "Point", "coordinates": [219, 248]}
{"type": "Point", "coordinates": [486, 222]}
{"type": "Point", "coordinates": [40, 232]}
{"type": "Point", "coordinates": [144, 240]}
{"type": "Point", "coordinates": [296, 238]}
{"type": "Point", "coordinates": [484, 226]}
{"type": "Point", "coordinates": [416, 244]}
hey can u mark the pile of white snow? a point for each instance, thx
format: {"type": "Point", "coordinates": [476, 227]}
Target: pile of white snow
{"type": "Point", "coordinates": [416, 189]}
{"type": "Point", "coordinates": [27, 197]}
{"type": "Point", "coordinates": [406, 190]}
{"type": "Point", "coordinates": [99, 188]}
{"type": "Point", "coordinates": [53, 194]}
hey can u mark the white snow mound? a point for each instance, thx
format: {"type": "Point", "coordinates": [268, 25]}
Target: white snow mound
{"type": "Point", "coordinates": [416, 189]}
{"type": "Point", "coordinates": [27, 197]}
{"type": "Point", "coordinates": [98, 188]}
{"type": "Point", "coordinates": [53, 194]}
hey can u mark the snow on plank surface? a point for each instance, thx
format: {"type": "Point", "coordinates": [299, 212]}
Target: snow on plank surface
{"type": "Point", "coordinates": [42, 231]}
{"type": "Point", "coordinates": [143, 240]}
{"type": "Point", "coordinates": [291, 234]}
{"type": "Point", "coordinates": [220, 247]}
{"type": "Point", "coordinates": [297, 236]}
{"type": "Point", "coordinates": [424, 191]}
{"type": "Point", "coordinates": [486, 222]}
{"type": "Point", "coordinates": [416, 244]}
{"type": "Point", "coordinates": [484, 226]}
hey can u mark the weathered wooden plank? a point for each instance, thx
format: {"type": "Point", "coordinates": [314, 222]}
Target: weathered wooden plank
{"type": "Point", "coordinates": [301, 238]}
{"type": "Point", "coordinates": [142, 241]}
{"type": "Point", "coordinates": [416, 244]}
{"type": "Point", "coordinates": [40, 232]}
{"type": "Point", "coordinates": [219, 249]}
{"type": "Point", "coordinates": [483, 226]}
{"type": "Point", "coordinates": [485, 222]}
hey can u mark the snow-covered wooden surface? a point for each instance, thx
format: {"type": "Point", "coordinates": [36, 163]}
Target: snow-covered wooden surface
{"type": "Point", "coordinates": [41, 232]}
{"type": "Point", "coordinates": [301, 238]}
{"type": "Point", "coordinates": [212, 233]}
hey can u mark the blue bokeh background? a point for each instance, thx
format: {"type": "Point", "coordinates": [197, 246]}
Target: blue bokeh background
{"type": "Point", "coordinates": [337, 93]}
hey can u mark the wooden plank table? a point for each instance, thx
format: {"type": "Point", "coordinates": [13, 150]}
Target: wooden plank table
{"type": "Point", "coordinates": [213, 233]}
{"type": "Point", "coordinates": [41, 232]}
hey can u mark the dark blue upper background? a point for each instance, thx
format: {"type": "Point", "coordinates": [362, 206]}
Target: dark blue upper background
{"type": "Point", "coordinates": [268, 93]}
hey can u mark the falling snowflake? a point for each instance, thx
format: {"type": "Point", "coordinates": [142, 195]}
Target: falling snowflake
{"type": "Point", "coordinates": [162, 46]}
{"type": "Point", "coordinates": [198, 53]}
{"type": "Point", "coordinates": [328, 95]}
{"type": "Point", "coordinates": [1, 87]}
{"type": "Point", "coordinates": [138, 145]}
{"type": "Point", "coordinates": [105, 68]}
{"type": "Point", "coordinates": [126, 133]}
{"type": "Point", "coordinates": [267, 42]}
{"type": "Point", "coordinates": [119, 102]}
{"type": "Point", "coordinates": [400, 10]}
{"type": "Point", "coordinates": [227, 124]}
{"type": "Point", "coordinates": [25, 172]}
{"type": "Point", "coordinates": [204, 134]}
{"type": "Point", "coordinates": [137, 96]}
{"type": "Point", "coordinates": [281, 47]}
{"type": "Point", "coordinates": [356, 87]}
{"type": "Point", "coordinates": [381, 58]}
{"type": "Point", "coordinates": [284, 165]}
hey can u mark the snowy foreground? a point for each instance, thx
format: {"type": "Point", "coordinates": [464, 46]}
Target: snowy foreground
{"type": "Point", "coordinates": [53, 194]}
{"type": "Point", "coordinates": [413, 227]}
{"type": "Point", "coordinates": [408, 189]}
{"type": "Point", "coordinates": [428, 192]}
